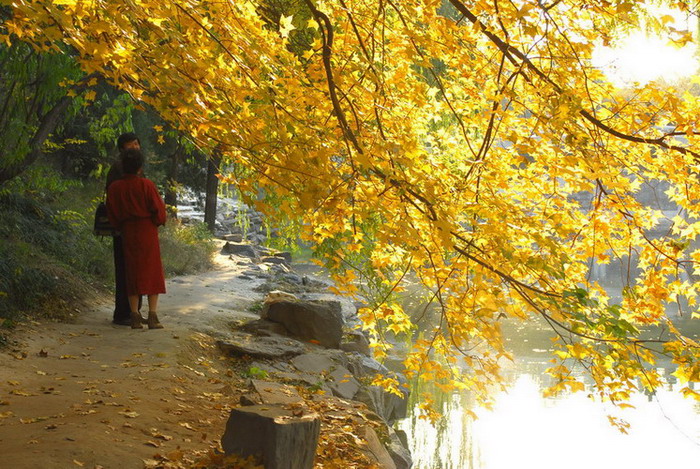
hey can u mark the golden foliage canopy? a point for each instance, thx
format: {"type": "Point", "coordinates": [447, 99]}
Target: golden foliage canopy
{"type": "Point", "coordinates": [470, 145]}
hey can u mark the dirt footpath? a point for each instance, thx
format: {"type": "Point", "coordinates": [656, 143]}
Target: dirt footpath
{"type": "Point", "coordinates": [95, 395]}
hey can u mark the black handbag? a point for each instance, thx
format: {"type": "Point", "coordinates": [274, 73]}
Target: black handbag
{"type": "Point", "coordinates": [102, 226]}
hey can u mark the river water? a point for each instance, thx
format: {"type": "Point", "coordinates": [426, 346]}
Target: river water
{"type": "Point", "coordinates": [526, 430]}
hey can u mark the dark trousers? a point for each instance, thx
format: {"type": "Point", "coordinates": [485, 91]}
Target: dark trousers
{"type": "Point", "coordinates": [122, 310]}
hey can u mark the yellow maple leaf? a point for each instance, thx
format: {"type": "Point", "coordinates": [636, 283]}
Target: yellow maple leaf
{"type": "Point", "coordinates": [286, 25]}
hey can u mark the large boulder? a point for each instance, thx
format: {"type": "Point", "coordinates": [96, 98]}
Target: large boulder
{"type": "Point", "coordinates": [356, 341]}
{"type": "Point", "coordinates": [397, 448]}
{"type": "Point", "coordinates": [280, 437]}
{"type": "Point", "coordinates": [375, 450]}
{"type": "Point", "coordinates": [387, 405]}
{"type": "Point", "coordinates": [240, 249]}
{"type": "Point", "coordinates": [276, 393]}
{"type": "Point", "coordinates": [238, 344]}
{"type": "Point", "coordinates": [338, 378]}
{"type": "Point", "coordinates": [314, 321]}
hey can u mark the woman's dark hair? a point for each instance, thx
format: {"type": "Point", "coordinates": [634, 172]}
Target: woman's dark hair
{"type": "Point", "coordinates": [132, 161]}
{"type": "Point", "coordinates": [123, 139]}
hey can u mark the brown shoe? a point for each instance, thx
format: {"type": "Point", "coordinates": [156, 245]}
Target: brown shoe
{"type": "Point", "coordinates": [153, 322]}
{"type": "Point", "coordinates": [136, 321]}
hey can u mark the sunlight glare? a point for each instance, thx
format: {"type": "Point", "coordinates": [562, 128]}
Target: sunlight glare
{"type": "Point", "coordinates": [640, 58]}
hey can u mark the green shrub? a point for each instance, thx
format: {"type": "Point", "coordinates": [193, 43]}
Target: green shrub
{"type": "Point", "coordinates": [186, 249]}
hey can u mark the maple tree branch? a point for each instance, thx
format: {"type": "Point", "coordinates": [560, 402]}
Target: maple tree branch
{"type": "Point", "coordinates": [326, 29]}
{"type": "Point", "coordinates": [512, 52]}
{"type": "Point", "coordinates": [507, 278]}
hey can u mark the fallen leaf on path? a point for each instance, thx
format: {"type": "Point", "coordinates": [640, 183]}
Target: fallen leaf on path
{"type": "Point", "coordinates": [13, 383]}
{"type": "Point", "coordinates": [175, 455]}
{"type": "Point", "coordinates": [4, 402]}
{"type": "Point", "coordinates": [156, 434]}
{"type": "Point", "coordinates": [18, 392]}
{"type": "Point", "coordinates": [33, 442]}
{"type": "Point", "coordinates": [186, 425]}
{"type": "Point", "coordinates": [52, 426]}
{"type": "Point", "coordinates": [130, 414]}
{"type": "Point", "coordinates": [43, 353]}
{"type": "Point", "coordinates": [34, 419]}
{"type": "Point", "coordinates": [4, 415]}
{"type": "Point", "coordinates": [42, 373]}
{"type": "Point", "coordinates": [152, 443]}
{"type": "Point", "coordinates": [68, 357]}
{"type": "Point", "coordinates": [78, 463]}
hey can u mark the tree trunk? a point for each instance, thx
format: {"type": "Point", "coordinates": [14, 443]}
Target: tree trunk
{"type": "Point", "coordinates": [172, 178]}
{"type": "Point", "coordinates": [212, 190]}
{"type": "Point", "coordinates": [47, 125]}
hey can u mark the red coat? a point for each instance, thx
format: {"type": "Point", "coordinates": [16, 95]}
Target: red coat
{"type": "Point", "coordinates": [135, 208]}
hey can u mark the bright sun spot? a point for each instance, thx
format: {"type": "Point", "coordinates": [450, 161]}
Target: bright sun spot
{"type": "Point", "coordinates": [642, 58]}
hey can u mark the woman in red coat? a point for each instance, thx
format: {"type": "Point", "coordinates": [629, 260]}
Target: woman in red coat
{"type": "Point", "coordinates": [136, 210]}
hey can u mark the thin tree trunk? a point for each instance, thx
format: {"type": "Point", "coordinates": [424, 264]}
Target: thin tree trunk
{"type": "Point", "coordinates": [212, 190]}
{"type": "Point", "coordinates": [47, 125]}
{"type": "Point", "coordinates": [172, 178]}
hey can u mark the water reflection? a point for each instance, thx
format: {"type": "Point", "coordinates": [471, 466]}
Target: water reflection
{"type": "Point", "coordinates": [527, 430]}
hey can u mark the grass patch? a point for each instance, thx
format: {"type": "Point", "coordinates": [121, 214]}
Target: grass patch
{"type": "Point", "coordinates": [186, 249]}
